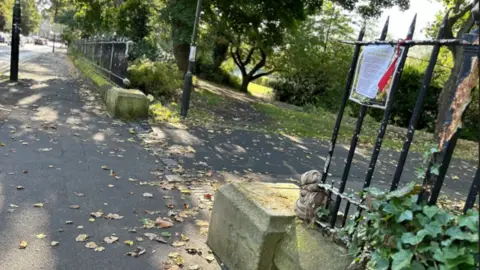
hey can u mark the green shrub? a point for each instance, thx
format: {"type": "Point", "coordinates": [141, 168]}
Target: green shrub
{"type": "Point", "coordinates": [301, 88]}
{"type": "Point", "coordinates": [397, 233]}
{"type": "Point", "coordinates": [159, 79]}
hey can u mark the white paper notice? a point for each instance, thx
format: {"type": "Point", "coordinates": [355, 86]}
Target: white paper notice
{"type": "Point", "coordinates": [374, 64]}
{"type": "Point", "coordinates": [193, 51]}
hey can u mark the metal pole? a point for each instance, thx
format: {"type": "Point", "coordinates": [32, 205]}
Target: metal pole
{"type": "Point", "coordinates": [418, 107]}
{"type": "Point", "coordinates": [15, 50]}
{"type": "Point", "coordinates": [187, 84]}
{"type": "Point", "coordinates": [111, 63]}
{"type": "Point", "coordinates": [346, 91]}
{"type": "Point", "coordinates": [388, 109]}
{"type": "Point", "coordinates": [353, 146]}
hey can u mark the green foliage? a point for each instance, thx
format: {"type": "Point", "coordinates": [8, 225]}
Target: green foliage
{"type": "Point", "coordinates": [312, 67]}
{"type": "Point", "coordinates": [30, 17]}
{"type": "Point", "coordinates": [397, 233]}
{"type": "Point", "coordinates": [156, 78]}
{"type": "Point", "coordinates": [134, 19]}
{"type": "Point", "coordinates": [6, 12]}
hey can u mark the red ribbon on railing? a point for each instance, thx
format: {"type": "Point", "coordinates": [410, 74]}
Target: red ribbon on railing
{"type": "Point", "coordinates": [386, 77]}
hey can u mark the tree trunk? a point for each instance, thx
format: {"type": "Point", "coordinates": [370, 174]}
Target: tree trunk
{"type": "Point", "coordinates": [220, 52]}
{"type": "Point", "coordinates": [181, 52]}
{"type": "Point", "coordinates": [245, 81]}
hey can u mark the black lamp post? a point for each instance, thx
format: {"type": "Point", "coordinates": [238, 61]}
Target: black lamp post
{"type": "Point", "coordinates": [187, 84]}
{"type": "Point", "coordinates": [16, 23]}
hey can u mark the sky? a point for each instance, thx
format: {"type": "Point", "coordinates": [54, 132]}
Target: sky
{"type": "Point", "coordinates": [400, 21]}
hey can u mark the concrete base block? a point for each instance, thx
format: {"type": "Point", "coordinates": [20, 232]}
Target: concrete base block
{"type": "Point", "coordinates": [127, 103]}
{"type": "Point", "coordinates": [248, 221]}
{"type": "Point", "coordinates": [307, 249]}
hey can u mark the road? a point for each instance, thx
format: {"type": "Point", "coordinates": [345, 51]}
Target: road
{"type": "Point", "coordinates": [26, 52]}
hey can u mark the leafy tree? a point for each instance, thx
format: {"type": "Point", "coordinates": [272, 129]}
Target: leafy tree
{"type": "Point", "coordinates": [31, 18]}
{"type": "Point", "coordinates": [460, 21]}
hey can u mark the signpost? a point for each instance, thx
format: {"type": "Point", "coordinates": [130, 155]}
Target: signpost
{"type": "Point", "coordinates": [16, 23]}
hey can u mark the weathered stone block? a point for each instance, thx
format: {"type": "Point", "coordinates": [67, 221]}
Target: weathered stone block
{"type": "Point", "coordinates": [127, 103]}
{"type": "Point", "coordinates": [248, 221]}
{"type": "Point", "coordinates": [305, 248]}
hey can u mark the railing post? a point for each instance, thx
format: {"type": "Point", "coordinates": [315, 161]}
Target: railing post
{"type": "Point", "coordinates": [111, 62]}
{"type": "Point", "coordinates": [418, 107]}
{"type": "Point", "coordinates": [388, 108]}
{"type": "Point", "coordinates": [353, 146]}
{"type": "Point", "coordinates": [346, 92]}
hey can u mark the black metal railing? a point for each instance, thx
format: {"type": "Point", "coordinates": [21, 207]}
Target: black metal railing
{"type": "Point", "coordinates": [109, 57]}
{"type": "Point", "coordinates": [432, 184]}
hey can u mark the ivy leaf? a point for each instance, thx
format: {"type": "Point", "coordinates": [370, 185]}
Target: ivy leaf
{"type": "Point", "coordinates": [416, 265]}
{"type": "Point", "coordinates": [438, 255]}
{"type": "Point", "coordinates": [457, 234]}
{"type": "Point", "coordinates": [410, 238]}
{"type": "Point", "coordinates": [420, 173]}
{"type": "Point", "coordinates": [382, 263]}
{"type": "Point", "coordinates": [471, 222]}
{"type": "Point", "coordinates": [464, 259]}
{"type": "Point", "coordinates": [443, 218]}
{"type": "Point", "coordinates": [402, 192]}
{"type": "Point", "coordinates": [431, 229]}
{"type": "Point", "coordinates": [406, 215]}
{"type": "Point", "coordinates": [430, 211]}
{"type": "Point", "coordinates": [452, 252]}
{"type": "Point", "coordinates": [401, 259]}
{"type": "Point", "coordinates": [376, 193]}
{"type": "Point", "coordinates": [435, 169]}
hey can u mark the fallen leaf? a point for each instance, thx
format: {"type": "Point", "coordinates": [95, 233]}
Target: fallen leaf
{"type": "Point", "coordinates": [163, 223]}
{"type": "Point", "coordinates": [112, 173]}
{"type": "Point", "coordinates": [96, 214]}
{"type": "Point", "coordinates": [104, 167]}
{"type": "Point", "coordinates": [14, 205]}
{"type": "Point", "coordinates": [80, 227]}
{"type": "Point", "coordinates": [40, 236]}
{"type": "Point", "coordinates": [147, 195]}
{"type": "Point", "coordinates": [176, 257]}
{"type": "Point", "coordinates": [455, 177]}
{"type": "Point", "coordinates": [128, 242]}
{"type": "Point", "coordinates": [184, 190]}
{"type": "Point", "coordinates": [99, 249]}
{"type": "Point", "coordinates": [90, 245]}
{"type": "Point", "coordinates": [174, 267]}
{"type": "Point", "coordinates": [81, 238]}
{"type": "Point", "coordinates": [132, 179]}
{"type": "Point", "coordinates": [209, 173]}
{"type": "Point", "coordinates": [3, 144]}
{"type": "Point", "coordinates": [113, 216]}
{"type": "Point", "coordinates": [139, 239]}
{"type": "Point", "coordinates": [210, 258]}
{"type": "Point", "coordinates": [178, 244]}
{"type": "Point", "coordinates": [110, 185]}
{"type": "Point", "coordinates": [193, 267]}
{"type": "Point", "coordinates": [54, 243]}
{"type": "Point", "coordinates": [166, 234]}
{"type": "Point", "coordinates": [178, 219]}
{"type": "Point", "coordinates": [91, 219]}
{"type": "Point", "coordinates": [75, 206]}
{"type": "Point", "coordinates": [25, 172]}
{"type": "Point", "coordinates": [192, 250]}
{"type": "Point", "coordinates": [186, 206]}
{"type": "Point", "coordinates": [179, 170]}
{"type": "Point", "coordinates": [45, 149]}
{"type": "Point", "coordinates": [79, 194]}
{"type": "Point", "coordinates": [201, 223]}
{"type": "Point", "coordinates": [10, 210]}
{"type": "Point", "coordinates": [110, 239]}
{"type": "Point", "coordinates": [170, 205]}
{"type": "Point", "coordinates": [184, 238]}
{"type": "Point", "coordinates": [23, 244]}
{"type": "Point", "coordinates": [38, 205]}
{"type": "Point", "coordinates": [153, 236]}
{"type": "Point", "coordinates": [68, 222]}
{"type": "Point", "coordinates": [137, 252]}
{"type": "Point", "coordinates": [20, 187]}
{"type": "Point", "coordinates": [208, 196]}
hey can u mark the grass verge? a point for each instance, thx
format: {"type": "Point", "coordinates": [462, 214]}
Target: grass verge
{"type": "Point", "coordinates": [88, 70]}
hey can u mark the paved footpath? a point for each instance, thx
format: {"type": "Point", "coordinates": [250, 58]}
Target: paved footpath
{"type": "Point", "coordinates": [59, 148]}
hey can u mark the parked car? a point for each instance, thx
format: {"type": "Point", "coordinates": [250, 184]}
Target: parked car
{"type": "Point", "coordinates": [40, 41]}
